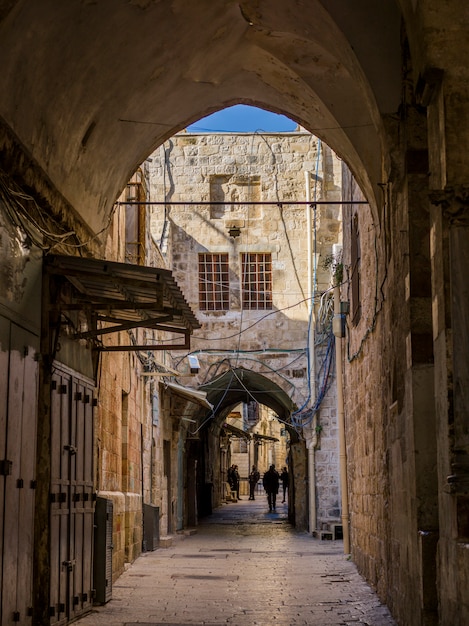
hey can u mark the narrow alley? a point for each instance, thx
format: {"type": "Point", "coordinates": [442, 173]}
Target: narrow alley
{"type": "Point", "coordinates": [243, 566]}
{"type": "Point", "coordinates": [185, 303]}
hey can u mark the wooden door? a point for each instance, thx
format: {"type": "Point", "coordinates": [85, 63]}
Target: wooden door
{"type": "Point", "coordinates": [72, 502]}
{"type": "Point", "coordinates": [18, 419]}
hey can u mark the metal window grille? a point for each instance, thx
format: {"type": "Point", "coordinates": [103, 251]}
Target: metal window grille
{"type": "Point", "coordinates": [257, 280]}
{"type": "Point", "coordinates": [214, 282]}
{"type": "Point", "coordinates": [135, 221]}
{"type": "Point", "coordinates": [355, 259]}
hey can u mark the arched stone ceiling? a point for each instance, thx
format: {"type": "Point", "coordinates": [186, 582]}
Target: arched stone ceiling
{"type": "Point", "coordinates": [242, 385]}
{"type": "Point", "coordinates": [90, 88]}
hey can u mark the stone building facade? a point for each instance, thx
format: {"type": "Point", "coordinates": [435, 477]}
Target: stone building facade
{"type": "Point", "coordinates": [223, 197]}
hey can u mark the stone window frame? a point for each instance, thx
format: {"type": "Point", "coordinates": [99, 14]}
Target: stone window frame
{"type": "Point", "coordinates": [214, 281]}
{"type": "Point", "coordinates": [256, 281]}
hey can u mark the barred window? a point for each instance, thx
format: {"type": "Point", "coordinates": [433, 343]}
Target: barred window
{"type": "Point", "coordinates": [239, 446]}
{"type": "Point", "coordinates": [355, 259]}
{"type": "Point", "coordinates": [135, 220]}
{"type": "Point", "coordinates": [257, 280]}
{"type": "Point", "coordinates": [214, 282]}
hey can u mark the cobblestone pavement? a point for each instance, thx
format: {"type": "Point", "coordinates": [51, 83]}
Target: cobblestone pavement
{"type": "Point", "coordinates": [244, 566]}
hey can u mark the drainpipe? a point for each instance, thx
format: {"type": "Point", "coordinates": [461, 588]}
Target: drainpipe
{"type": "Point", "coordinates": [338, 332]}
{"type": "Point", "coordinates": [311, 435]}
{"type": "Point", "coordinates": [180, 482]}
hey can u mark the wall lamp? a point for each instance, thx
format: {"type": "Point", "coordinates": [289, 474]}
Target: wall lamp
{"type": "Point", "coordinates": [234, 231]}
{"type": "Point", "coordinates": [193, 363]}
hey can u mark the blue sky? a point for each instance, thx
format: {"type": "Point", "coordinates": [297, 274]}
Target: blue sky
{"type": "Point", "coordinates": [243, 119]}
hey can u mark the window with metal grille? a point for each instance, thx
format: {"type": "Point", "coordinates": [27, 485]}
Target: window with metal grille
{"type": "Point", "coordinates": [135, 220]}
{"type": "Point", "coordinates": [214, 282]}
{"type": "Point", "coordinates": [239, 446]}
{"type": "Point", "coordinates": [355, 259]}
{"type": "Point", "coordinates": [257, 280]}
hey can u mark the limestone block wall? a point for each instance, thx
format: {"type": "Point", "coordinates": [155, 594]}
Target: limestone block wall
{"type": "Point", "coordinates": [129, 421]}
{"type": "Point", "coordinates": [118, 452]}
{"type": "Point", "coordinates": [365, 393]}
{"type": "Point", "coordinates": [389, 405]}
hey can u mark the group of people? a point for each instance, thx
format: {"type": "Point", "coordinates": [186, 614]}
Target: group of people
{"type": "Point", "coordinates": [270, 481]}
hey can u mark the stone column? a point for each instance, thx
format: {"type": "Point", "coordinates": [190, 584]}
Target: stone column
{"type": "Point", "coordinates": [446, 95]}
{"type": "Point", "coordinates": [450, 260]}
{"type": "Point", "coordinates": [452, 288]}
{"type": "Point", "coordinates": [420, 382]}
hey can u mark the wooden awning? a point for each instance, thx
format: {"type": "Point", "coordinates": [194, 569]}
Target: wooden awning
{"type": "Point", "coordinates": [242, 434]}
{"type": "Point", "coordinates": [258, 436]}
{"type": "Point", "coordinates": [121, 296]}
{"type": "Point", "coordinates": [188, 394]}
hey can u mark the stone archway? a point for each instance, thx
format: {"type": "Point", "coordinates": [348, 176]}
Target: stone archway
{"type": "Point", "coordinates": [136, 73]}
{"type": "Point", "coordinates": [240, 385]}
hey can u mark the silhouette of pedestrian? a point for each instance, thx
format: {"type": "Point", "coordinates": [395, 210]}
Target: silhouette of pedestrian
{"type": "Point", "coordinates": [270, 482]}
{"type": "Point", "coordinates": [253, 480]}
{"type": "Point", "coordinates": [235, 481]}
{"type": "Point", "coordinates": [285, 481]}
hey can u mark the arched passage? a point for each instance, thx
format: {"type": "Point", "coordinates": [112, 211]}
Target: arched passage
{"type": "Point", "coordinates": [237, 386]}
{"type": "Point", "coordinates": [243, 385]}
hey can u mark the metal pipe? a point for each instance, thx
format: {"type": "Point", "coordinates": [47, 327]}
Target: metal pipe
{"type": "Point", "coordinates": [341, 427]}
{"type": "Point", "coordinates": [239, 202]}
{"type": "Point", "coordinates": [180, 482]}
{"type": "Point", "coordinates": [312, 435]}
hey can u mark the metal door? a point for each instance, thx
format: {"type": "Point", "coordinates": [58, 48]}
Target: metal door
{"type": "Point", "coordinates": [18, 418]}
{"type": "Point", "coordinates": [72, 501]}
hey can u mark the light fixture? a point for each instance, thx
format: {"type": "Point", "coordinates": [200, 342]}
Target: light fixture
{"type": "Point", "coordinates": [234, 231]}
{"type": "Point", "coordinates": [193, 363]}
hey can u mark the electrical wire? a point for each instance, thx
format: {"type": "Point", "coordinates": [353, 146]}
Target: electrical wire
{"type": "Point", "coordinates": [304, 417]}
{"type": "Point", "coordinates": [215, 352]}
{"type": "Point", "coordinates": [268, 370]}
{"type": "Point", "coordinates": [26, 214]}
{"type": "Point", "coordinates": [200, 129]}
{"type": "Point", "coordinates": [274, 312]}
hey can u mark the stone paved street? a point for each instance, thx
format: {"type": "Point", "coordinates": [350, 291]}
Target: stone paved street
{"type": "Point", "coordinates": [244, 566]}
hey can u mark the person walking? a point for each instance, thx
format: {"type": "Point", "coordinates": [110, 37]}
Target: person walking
{"type": "Point", "coordinates": [270, 482]}
{"type": "Point", "coordinates": [253, 480]}
{"type": "Point", "coordinates": [285, 480]}
{"type": "Point", "coordinates": [235, 478]}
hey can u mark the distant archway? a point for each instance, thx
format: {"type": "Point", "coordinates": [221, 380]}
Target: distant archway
{"type": "Point", "coordinates": [235, 386]}
{"type": "Point", "coordinates": [243, 385]}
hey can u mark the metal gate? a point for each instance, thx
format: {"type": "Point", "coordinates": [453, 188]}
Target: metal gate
{"type": "Point", "coordinates": [18, 411]}
{"type": "Point", "coordinates": [71, 496]}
